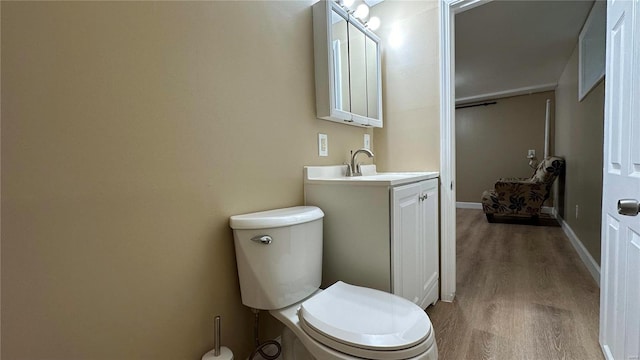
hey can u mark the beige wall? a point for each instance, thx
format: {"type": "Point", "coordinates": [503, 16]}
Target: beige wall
{"type": "Point", "coordinates": [410, 139]}
{"type": "Point", "coordinates": [131, 131]}
{"type": "Point", "coordinates": [0, 186]}
{"type": "Point", "coordinates": [492, 142]}
{"type": "Point", "coordinates": [579, 139]}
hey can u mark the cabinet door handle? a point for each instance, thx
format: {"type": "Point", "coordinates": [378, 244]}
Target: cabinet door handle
{"type": "Point", "coordinates": [423, 197]}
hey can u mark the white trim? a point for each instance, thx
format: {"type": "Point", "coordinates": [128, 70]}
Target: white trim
{"type": "Point", "coordinates": [548, 210]}
{"type": "Point", "coordinates": [447, 155]}
{"type": "Point", "coordinates": [606, 351]}
{"type": "Point", "coordinates": [528, 90]}
{"type": "Point", "coordinates": [587, 259]}
{"type": "Point", "coordinates": [593, 26]}
{"type": "Point", "coordinates": [448, 8]}
{"type": "Point", "coordinates": [468, 205]}
{"type": "Point", "coordinates": [459, 6]}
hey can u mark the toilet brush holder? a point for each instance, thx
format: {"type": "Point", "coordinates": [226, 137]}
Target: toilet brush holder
{"type": "Point", "coordinates": [218, 352]}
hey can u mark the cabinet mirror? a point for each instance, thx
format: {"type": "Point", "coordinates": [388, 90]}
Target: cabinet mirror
{"type": "Point", "coordinates": [347, 67]}
{"type": "Point", "coordinates": [358, 67]}
{"type": "Point", "coordinates": [373, 74]}
{"type": "Point", "coordinates": [340, 58]}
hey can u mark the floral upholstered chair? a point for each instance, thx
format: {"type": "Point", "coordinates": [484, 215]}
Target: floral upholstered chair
{"type": "Point", "coordinates": [522, 197]}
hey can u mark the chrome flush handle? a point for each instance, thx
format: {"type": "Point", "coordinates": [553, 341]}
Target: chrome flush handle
{"type": "Point", "coordinates": [263, 239]}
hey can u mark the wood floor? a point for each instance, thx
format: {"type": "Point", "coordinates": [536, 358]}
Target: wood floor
{"type": "Point", "coordinates": [522, 293]}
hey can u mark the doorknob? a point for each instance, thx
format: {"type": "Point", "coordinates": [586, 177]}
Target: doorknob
{"type": "Point", "coordinates": [629, 207]}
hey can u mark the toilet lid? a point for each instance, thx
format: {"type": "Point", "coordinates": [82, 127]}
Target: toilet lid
{"type": "Point", "coordinates": [365, 318]}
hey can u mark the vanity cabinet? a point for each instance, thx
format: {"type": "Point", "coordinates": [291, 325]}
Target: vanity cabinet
{"type": "Point", "coordinates": [347, 68]}
{"type": "Point", "coordinates": [380, 235]}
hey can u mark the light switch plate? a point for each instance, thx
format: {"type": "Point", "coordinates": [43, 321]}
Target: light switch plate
{"type": "Point", "coordinates": [367, 141]}
{"type": "Point", "coordinates": [323, 145]}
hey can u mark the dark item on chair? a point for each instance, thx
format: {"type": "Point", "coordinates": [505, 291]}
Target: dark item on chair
{"type": "Point", "coordinates": [520, 196]}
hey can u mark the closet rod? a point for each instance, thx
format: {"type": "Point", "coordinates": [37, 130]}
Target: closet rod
{"type": "Point", "coordinates": [474, 105]}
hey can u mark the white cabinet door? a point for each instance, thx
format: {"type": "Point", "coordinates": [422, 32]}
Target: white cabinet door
{"type": "Point", "coordinates": [430, 273]}
{"type": "Point", "coordinates": [406, 238]}
{"type": "Point", "coordinates": [414, 221]}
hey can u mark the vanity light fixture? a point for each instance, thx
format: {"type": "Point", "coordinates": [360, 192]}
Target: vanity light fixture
{"type": "Point", "coordinates": [360, 12]}
{"type": "Point", "coordinates": [373, 23]}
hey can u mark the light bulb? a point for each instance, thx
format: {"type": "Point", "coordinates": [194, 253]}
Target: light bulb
{"type": "Point", "coordinates": [347, 3]}
{"type": "Point", "coordinates": [361, 11]}
{"type": "Point", "coordinates": [373, 23]}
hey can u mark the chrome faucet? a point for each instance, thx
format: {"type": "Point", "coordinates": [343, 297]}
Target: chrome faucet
{"type": "Point", "coordinates": [353, 169]}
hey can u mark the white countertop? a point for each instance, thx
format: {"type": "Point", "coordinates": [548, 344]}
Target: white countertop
{"type": "Point", "coordinates": [336, 174]}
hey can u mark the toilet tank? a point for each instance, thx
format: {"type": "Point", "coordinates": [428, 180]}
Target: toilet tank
{"type": "Point", "coordinates": [279, 255]}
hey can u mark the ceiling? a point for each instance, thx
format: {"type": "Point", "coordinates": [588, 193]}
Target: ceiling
{"type": "Point", "coordinates": [506, 48]}
{"type": "Point", "coordinates": [372, 3]}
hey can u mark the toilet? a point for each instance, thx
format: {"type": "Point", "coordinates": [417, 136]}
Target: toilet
{"type": "Point", "coordinates": [279, 257]}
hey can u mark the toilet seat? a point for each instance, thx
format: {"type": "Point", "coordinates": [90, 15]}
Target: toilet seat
{"type": "Point", "coordinates": [366, 323]}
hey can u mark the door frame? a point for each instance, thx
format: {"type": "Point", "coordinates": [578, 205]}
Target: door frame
{"type": "Point", "coordinates": [448, 10]}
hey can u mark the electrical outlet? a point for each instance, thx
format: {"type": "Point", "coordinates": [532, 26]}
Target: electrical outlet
{"type": "Point", "coordinates": [323, 145]}
{"type": "Point", "coordinates": [367, 141]}
{"type": "Point", "coordinates": [531, 154]}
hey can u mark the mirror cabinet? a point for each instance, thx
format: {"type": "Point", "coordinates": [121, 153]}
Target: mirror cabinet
{"type": "Point", "coordinates": [347, 67]}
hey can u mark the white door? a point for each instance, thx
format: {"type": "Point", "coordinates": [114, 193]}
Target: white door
{"type": "Point", "coordinates": [406, 236]}
{"type": "Point", "coordinates": [620, 277]}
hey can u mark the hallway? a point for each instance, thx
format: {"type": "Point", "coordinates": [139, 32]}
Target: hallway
{"type": "Point", "coordinates": [522, 293]}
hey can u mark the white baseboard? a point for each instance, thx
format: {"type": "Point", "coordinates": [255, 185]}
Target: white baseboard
{"type": "Point", "coordinates": [468, 205]}
{"type": "Point", "coordinates": [607, 352]}
{"type": "Point", "coordinates": [587, 259]}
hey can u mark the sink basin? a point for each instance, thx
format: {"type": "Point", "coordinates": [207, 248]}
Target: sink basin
{"type": "Point", "coordinates": [336, 174]}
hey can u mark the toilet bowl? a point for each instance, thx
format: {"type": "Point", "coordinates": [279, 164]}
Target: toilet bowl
{"type": "Point", "coordinates": [351, 322]}
{"type": "Point", "coordinates": [279, 256]}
